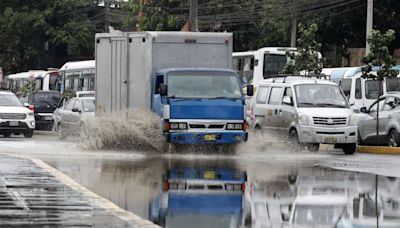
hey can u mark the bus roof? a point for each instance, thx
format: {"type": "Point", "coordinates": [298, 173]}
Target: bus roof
{"type": "Point", "coordinates": [29, 74]}
{"type": "Point", "coordinates": [79, 65]}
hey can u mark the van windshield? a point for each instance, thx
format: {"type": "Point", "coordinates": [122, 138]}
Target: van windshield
{"type": "Point", "coordinates": [321, 96]}
{"type": "Point", "coordinates": [208, 85]}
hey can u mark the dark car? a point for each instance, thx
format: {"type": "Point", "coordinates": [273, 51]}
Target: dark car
{"type": "Point", "coordinates": [44, 102]}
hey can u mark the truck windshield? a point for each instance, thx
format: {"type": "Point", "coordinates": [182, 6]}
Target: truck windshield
{"type": "Point", "coordinates": [208, 85]}
{"type": "Point", "coordinates": [321, 96]}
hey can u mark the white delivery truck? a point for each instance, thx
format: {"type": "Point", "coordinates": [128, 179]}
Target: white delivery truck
{"type": "Point", "coordinates": [184, 77]}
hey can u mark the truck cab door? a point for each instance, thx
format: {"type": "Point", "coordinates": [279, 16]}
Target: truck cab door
{"type": "Point", "coordinates": [156, 104]}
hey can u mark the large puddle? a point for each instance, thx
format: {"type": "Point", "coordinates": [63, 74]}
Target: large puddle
{"type": "Point", "coordinates": [177, 191]}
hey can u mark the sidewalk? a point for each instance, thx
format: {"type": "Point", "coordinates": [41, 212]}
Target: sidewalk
{"type": "Point", "coordinates": [35, 194]}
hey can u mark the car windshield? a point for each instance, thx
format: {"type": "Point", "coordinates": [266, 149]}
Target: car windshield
{"type": "Point", "coordinates": [320, 96]}
{"type": "Point", "coordinates": [317, 215]}
{"type": "Point", "coordinates": [50, 98]}
{"type": "Point", "coordinates": [10, 100]}
{"type": "Point", "coordinates": [88, 105]}
{"type": "Point", "coordinates": [206, 85]}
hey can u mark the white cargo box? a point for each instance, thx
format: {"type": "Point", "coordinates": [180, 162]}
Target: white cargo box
{"type": "Point", "coordinates": [126, 62]}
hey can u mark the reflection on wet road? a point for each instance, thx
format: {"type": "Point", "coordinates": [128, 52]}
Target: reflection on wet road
{"type": "Point", "coordinates": [209, 192]}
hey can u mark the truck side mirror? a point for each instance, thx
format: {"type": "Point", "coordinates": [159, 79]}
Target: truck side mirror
{"type": "Point", "coordinates": [250, 90]}
{"type": "Point", "coordinates": [163, 89]}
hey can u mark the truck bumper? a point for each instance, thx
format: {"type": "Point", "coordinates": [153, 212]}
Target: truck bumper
{"type": "Point", "coordinates": [337, 135]}
{"type": "Point", "coordinates": [206, 138]}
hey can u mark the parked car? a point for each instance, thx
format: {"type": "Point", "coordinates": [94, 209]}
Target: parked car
{"type": "Point", "coordinates": [44, 103]}
{"type": "Point", "coordinates": [14, 117]}
{"type": "Point", "coordinates": [73, 115]}
{"type": "Point", "coordinates": [309, 111]}
{"type": "Point", "coordinates": [389, 121]}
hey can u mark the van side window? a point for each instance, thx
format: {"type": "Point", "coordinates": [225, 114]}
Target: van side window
{"type": "Point", "coordinates": [288, 93]}
{"type": "Point", "coordinates": [159, 80]}
{"type": "Point", "coordinates": [358, 89]}
{"type": "Point", "coordinates": [262, 95]}
{"type": "Point", "coordinates": [276, 96]}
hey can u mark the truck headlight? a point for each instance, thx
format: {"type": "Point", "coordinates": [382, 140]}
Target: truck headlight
{"type": "Point", "coordinates": [178, 126]}
{"type": "Point", "coordinates": [234, 126]}
{"type": "Point", "coordinates": [302, 119]}
{"type": "Point", "coordinates": [353, 120]}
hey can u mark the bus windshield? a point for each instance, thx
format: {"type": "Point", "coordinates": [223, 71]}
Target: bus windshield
{"type": "Point", "coordinates": [208, 85]}
{"type": "Point", "coordinates": [273, 64]}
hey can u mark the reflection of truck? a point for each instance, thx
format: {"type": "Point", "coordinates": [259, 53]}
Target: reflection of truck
{"type": "Point", "coordinates": [175, 75]}
{"type": "Point", "coordinates": [200, 198]}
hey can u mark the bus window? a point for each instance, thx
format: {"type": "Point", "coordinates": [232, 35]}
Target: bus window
{"type": "Point", "coordinates": [345, 84]}
{"type": "Point", "coordinates": [273, 64]}
{"type": "Point", "coordinates": [392, 84]}
{"type": "Point", "coordinates": [38, 84]}
{"type": "Point", "coordinates": [244, 65]}
{"type": "Point", "coordinates": [372, 89]}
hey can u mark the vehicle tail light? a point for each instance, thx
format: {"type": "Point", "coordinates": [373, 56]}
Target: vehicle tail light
{"type": "Point", "coordinates": [243, 187]}
{"type": "Point", "coordinates": [32, 108]}
{"type": "Point", "coordinates": [165, 186]}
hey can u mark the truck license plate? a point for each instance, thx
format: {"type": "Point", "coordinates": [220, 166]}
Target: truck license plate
{"type": "Point", "coordinates": [48, 118]}
{"type": "Point", "coordinates": [210, 137]}
{"type": "Point", "coordinates": [209, 175]}
{"type": "Point", "coordinates": [330, 140]}
{"type": "Point", "coordinates": [13, 123]}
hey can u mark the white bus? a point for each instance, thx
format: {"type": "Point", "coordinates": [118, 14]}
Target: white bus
{"type": "Point", "coordinates": [43, 80]}
{"type": "Point", "coordinates": [78, 76]}
{"type": "Point", "coordinates": [254, 66]}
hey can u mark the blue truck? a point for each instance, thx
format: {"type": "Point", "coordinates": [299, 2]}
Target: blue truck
{"type": "Point", "coordinates": [184, 77]}
{"type": "Point", "coordinates": [200, 198]}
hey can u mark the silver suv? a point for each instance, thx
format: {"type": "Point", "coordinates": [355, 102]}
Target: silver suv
{"type": "Point", "coordinates": [309, 111]}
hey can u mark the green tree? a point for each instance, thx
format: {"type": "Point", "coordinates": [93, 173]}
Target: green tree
{"type": "Point", "coordinates": [380, 57]}
{"type": "Point", "coordinates": [30, 29]}
{"type": "Point", "coordinates": [307, 58]}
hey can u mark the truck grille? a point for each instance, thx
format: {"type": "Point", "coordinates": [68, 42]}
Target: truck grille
{"type": "Point", "coordinates": [330, 121]}
{"type": "Point", "coordinates": [12, 116]}
{"type": "Point", "coordinates": [202, 126]}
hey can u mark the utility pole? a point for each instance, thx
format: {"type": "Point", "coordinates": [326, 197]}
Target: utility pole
{"type": "Point", "coordinates": [370, 15]}
{"type": "Point", "coordinates": [106, 15]}
{"type": "Point", "coordinates": [293, 37]}
{"type": "Point", "coordinates": [193, 14]}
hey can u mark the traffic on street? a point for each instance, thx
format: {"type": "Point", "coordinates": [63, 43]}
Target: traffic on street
{"type": "Point", "coordinates": [200, 113]}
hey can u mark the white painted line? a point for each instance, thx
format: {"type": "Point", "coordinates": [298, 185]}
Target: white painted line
{"type": "Point", "coordinates": [103, 203]}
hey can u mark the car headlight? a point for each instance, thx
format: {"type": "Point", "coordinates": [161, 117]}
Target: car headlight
{"type": "Point", "coordinates": [353, 120]}
{"type": "Point", "coordinates": [30, 114]}
{"type": "Point", "coordinates": [302, 119]}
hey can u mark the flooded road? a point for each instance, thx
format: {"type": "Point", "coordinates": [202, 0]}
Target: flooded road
{"type": "Point", "coordinates": [269, 188]}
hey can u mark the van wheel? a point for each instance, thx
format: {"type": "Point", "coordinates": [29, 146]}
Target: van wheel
{"type": "Point", "coordinates": [393, 138]}
{"type": "Point", "coordinates": [349, 149]}
{"type": "Point", "coordinates": [313, 147]}
{"type": "Point", "coordinates": [294, 142]}
{"type": "Point", "coordinates": [258, 131]}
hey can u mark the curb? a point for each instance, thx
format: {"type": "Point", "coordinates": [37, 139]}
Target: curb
{"type": "Point", "coordinates": [378, 150]}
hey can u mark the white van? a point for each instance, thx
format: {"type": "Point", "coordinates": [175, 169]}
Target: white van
{"type": "Point", "coordinates": [362, 92]}
{"type": "Point", "coordinates": [309, 111]}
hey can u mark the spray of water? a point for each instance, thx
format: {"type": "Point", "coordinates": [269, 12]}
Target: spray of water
{"type": "Point", "coordinates": [131, 130]}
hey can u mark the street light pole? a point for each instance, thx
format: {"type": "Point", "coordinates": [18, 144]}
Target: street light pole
{"type": "Point", "coordinates": [370, 15]}
{"type": "Point", "coordinates": [193, 14]}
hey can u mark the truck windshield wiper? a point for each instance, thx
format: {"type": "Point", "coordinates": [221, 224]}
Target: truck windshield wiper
{"type": "Point", "coordinates": [330, 105]}
{"type": "Point", "coordinates": [183, 98]}
{"type": "Point", "coordinates": [230, 98]}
